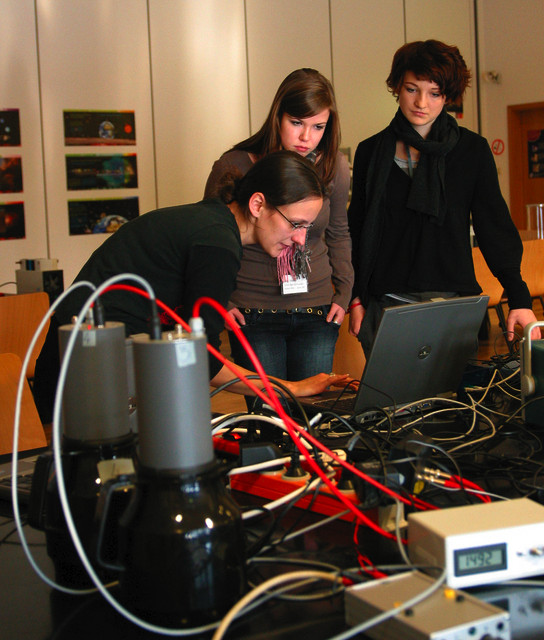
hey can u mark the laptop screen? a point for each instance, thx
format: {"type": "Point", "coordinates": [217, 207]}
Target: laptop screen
{"type": "Point", "coordinates": [421, 351]}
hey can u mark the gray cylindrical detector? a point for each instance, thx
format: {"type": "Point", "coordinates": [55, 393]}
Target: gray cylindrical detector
{"type": "Point", "coordinates": [172, 391]}
{"type": "Point", "coordinates": [95, 400]}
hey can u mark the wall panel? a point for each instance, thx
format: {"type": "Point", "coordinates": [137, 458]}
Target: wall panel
{"type": "Point", "coordinates": [452, 23]}
{"type": "Point", "coordinates": [94, 55]}
{"type": "Point", "coordinates": [199, 69]}
{"type": "Point", "coordinates": [283, 36]}
{"type": "Point", "coordinates": [19, 90]}
{"type": "Point", "coordinates": [511, 43]}
{"type": "Point", "coordinates": [365, 34]}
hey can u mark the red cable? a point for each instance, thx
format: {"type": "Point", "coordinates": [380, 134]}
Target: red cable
{"type": "Point", "coordinates": [292, 427]}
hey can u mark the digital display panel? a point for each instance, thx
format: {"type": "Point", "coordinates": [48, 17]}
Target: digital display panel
{"type": "Point", "coordinates": [480, 559]}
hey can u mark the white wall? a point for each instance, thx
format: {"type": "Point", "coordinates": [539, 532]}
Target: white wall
{"type": "Point", "coordinates": [200, 90]}
{"type": "Point", "coordinates": [200, 76]}
{"type": "Point", "coordinates": [93, 56]}
{"type": "Point", "coordinates": [362, 55]}
{"type": "Point", "coordinates": [282, 36]}
{"type": "Point", "coordinates": [19, 90]}
{"type": "Point", "coordinates": [365, 35]}
{"type": "Point", "coordinates": [511, 42]}
{"type": "Point", "coordinates": [453, 23]}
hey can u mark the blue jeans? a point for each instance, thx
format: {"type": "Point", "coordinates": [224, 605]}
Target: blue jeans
{"type": "Point", "coordinates": [290, 346]}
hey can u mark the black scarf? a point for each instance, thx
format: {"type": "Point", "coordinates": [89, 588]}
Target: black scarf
{"type": "Point", "coordinates": [427, 193]}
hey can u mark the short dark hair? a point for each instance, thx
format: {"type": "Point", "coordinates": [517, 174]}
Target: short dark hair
{"type": "Point", "coordinates": [434, 61]}
{"type": "Point", "coordinates": [283, 177]}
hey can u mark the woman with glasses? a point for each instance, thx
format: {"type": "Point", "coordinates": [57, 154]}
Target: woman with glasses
{"type": "Point", "coordinates": [291, 307]}
{"type": "Point", "coordinates": [190, 251]}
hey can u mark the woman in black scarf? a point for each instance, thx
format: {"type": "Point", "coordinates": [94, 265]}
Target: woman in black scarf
{"type": "Point", "coordinates": [417, 185]}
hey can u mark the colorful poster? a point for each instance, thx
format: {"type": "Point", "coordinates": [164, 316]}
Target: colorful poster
{"type": "Point", "coordinates": [535, 144]}
{"type": "Point", "coordinates": [12, 221]}
{"type": "Point", "coordinates": [100, 216]}
{"type": "Point", "coordinates": [10, 130]}
{"type": "Point", "coordinates": [11, 175]}
{"type": "Point", "coordinates": [99, 128]}
{"type": "Point", "coordinates": [101, 172]}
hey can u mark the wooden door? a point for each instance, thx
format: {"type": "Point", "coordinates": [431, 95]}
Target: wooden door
{"type": "Point", "coordinates": [526, 158]}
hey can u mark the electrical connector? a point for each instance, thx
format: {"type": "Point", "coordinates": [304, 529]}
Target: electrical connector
{"type": "Point", "coordinates": [369, 495]}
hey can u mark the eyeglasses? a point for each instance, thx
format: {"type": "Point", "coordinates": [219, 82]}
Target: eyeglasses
{"type": "Point", "coordinates": [295, 225]}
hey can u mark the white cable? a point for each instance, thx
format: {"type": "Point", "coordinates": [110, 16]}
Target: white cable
{"type": "Point", "coordinates": [281, 501]}
{"type": "Point", "coordinates": [259, 466]}
{"type": "Point", "coordinates": [60, 476]}
{"type": "Point", "coordinates": [277, 422]}
{"type": "Point", "coordinates": [303, 531]}
{"type": "Point", "coordinates": [235, 418]}
{"type": "Point", "coordinates": [16, 429]}
{"type": "Point", "coordinates": [382, 617]}
{"type": "Point", "coordinates": [265, 586]}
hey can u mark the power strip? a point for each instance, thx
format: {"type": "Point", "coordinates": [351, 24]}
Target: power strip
{"type": "Point", "coordinates": [446, 614]}
{"type": "Point", "coordinates": [274, 485]}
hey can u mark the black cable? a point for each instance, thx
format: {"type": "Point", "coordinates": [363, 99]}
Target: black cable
{"type": "Point", "coordinates": [99, 314]}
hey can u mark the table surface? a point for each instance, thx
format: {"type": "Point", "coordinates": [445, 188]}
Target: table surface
{"type": "Point", "coordinates": [31, 609]}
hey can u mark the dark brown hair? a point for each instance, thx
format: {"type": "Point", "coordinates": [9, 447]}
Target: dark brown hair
{"type": "Point", "coordinates": [283, 177]}
{"type": "Point", "coordinates": [433, 61]}
{"type": "Point", "coordinates": [304, 93]}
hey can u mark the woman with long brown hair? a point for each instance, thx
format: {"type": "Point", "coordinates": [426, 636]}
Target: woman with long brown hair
{"type": "Point", "coordinates": [291, 307]}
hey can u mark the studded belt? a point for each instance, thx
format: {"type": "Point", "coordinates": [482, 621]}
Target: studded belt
{"type": "Point", "coordinates": [315, 310]}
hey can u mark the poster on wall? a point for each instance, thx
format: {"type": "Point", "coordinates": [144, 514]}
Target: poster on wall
{"type": "Point", "coordinates": [12, 221]}
{"type": "Point", "coordinates": [535, 143]}
{"type": "Point", "coordinates": [100, 216]}
{"type": "Point", "coordinates": [101, 172]}
{"type": "Point", "coordinates": [11, 174]}
{"type": "Point", "coordinates": [99, 128]}
{"type": "Point", "coordinates": [10, 130]}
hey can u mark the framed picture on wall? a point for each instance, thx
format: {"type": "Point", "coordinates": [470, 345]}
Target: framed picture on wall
{"type": "Point", "coordinates": [99, 128]}
{"type": "Point", "coordinates": [10, 130]}
{"type": "Point", "coordinates": [100, 216]}
{"type": "Point", "coordinates": [11, 174]}
{"type": "Point", "coordinates": [117, 171]}
{"type": "Point", "coordinates": [12, 221]}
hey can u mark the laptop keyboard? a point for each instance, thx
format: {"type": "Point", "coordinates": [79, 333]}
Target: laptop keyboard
{"type": "Point", "coordinates": [344, 404]}
{"type": "Point", "coordinates": [24, 484]}
{"type": "Point", "coordinates": [25, 471]}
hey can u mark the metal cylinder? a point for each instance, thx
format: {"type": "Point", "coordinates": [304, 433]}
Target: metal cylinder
{"type": "Point", "coordinates": [95, 400]}
{"type": "Point", "coordinates": [172, 391]}
{"type": "Point", "coordinates": [533, 413]}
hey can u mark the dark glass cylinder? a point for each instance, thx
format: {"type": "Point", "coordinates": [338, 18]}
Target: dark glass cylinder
{"type": "Point", "coordinates": [181, 546]}
{"type": "Point", "coordinates": [81, 478]}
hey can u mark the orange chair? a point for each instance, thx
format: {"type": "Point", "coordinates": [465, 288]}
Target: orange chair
{"type": "Point", "coordinates": [490, 286]}
{"type": "Point", "coordinates": [20, 316]}
{"type": "Point", "coordinates": [348, 354]}
{"type": "Point", "coordinates": [31, 432]}
{"type": "Point", "coordinates": [532, 268]}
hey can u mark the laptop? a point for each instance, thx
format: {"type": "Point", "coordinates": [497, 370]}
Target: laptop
{"type": "Point", "coordinates": [32, 439]}
{"type": "Point", "coordinates": [420, 351]}
{"type": "Point", "coordinates": [26, 461]}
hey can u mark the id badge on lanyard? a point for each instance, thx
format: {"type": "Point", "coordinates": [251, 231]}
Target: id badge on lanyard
{"type": "Point", "coordinates": [292, 285]}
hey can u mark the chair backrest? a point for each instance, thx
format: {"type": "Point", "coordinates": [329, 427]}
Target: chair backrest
{"type": "Point", "coordinates": [348, 354]}
{"type": "Point", "coordinates": [490, 285]}
{"type": "Point", "coordinates": [31, 432]}
{"type": "Point", "coordinates": [532, 266]}
{"type": "Point", "coordinates": [20, 316]}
